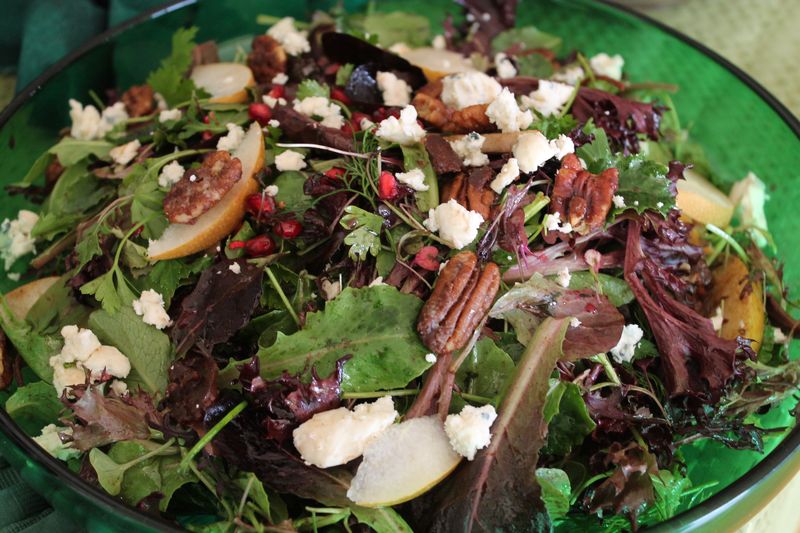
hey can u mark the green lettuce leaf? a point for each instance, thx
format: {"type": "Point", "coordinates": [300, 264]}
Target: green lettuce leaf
{"type": "Point", "coordinates": [567, 417]}
{"type": "Point", "coordinates": [34, 406]}
{"type": "Point", "coordinates": [556, 491]}
{"type": "Point", "coordinates": [170, 79]}
{"type": "Point", "coordinates": [416, 156]}
{"type": "Point", "coordinates": [529, 37]}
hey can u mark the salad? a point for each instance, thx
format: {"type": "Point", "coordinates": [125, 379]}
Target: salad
{"type": "Point", "coordinates": [374, 275]}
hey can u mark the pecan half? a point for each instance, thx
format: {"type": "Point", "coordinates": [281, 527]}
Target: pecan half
{"type": "Point", "coordinates": [202, 188]}
{"type": "Point", "coordinates": [581, 198]}
{"type": "Point", "coordinates": [460, 300]}
{"type": "Point", "coordinates": [138, 100]}
{"type": "Point", "coordinates": [431, 110]}
{"type": "Point", "coordinates": [267, 59]}
{"type": "Point", "coordinates": [471, 118]}
{"type": "Point", "coordinates": [471, 191]}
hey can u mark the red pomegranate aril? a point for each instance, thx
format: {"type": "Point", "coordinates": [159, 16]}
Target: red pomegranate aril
{"type": "Point", "coordinates": [428, 258]}
{"type": "Point", "coordinates": [387, 186]}
{"type": "Point", "coordinates": [277, 91]}
{"type": "Point", "coordinates": [260, 112]}
{"type": "Point", "coordinates": [349, 128]}
{"type": "Point", "coordinates": [337, 93]}
{"type": "Point", "coordinates": [260, 246]}
{"type": "Point", "coordinates": [288, 229]}
{"type": "Point", "coordinates": [259, 204]}
{"type": "Point", "coordinates": [335, 172]}
{"type": "Point", "coordinates": [236, 245]}
{"type": "Point", "coordinates": [359, 117]}
{"type": "Point", "coordinates": [332, 69]}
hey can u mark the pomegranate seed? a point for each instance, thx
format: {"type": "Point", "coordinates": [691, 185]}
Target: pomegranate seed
{"type": "Point", "coordinates": [288, 229]}
{"type": "Point", "coordinates": [259, 204]}
{"type": "Point", "coordinates": [332, 69]}
{"type": "Point", "coordinates": [260, 246]}
{"type": "Point", "coordinates": [335, 172]}
{"type": "Point", "coordinates": [427, 258]}
{"type": "Point", "coordinates": [358, 117]}
{"type": "Point", "coordinates": [387, 186]}
{"type": "Point", "coordinates": [236, 245]}
{"type": "Point", "coordinates": [207, 135]}
{"type": "Point", "coordinates": [349, 128]}
{"type": "Point", "coordinates": [337, 93]}
{"type": "Point", "coordinates": [260, 112]}
{"type": "Point", "coordinates": [138, 232]}
{"type": "Point", "coordinates": [380, 114]}
{"type": "Point", "coordinates": [278, 91]}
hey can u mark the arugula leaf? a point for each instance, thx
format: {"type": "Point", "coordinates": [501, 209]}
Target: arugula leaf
{"type": "Point", "coordinates": [644, 185]}
{"type": "Point", "coordinates": [149, 350]}
{"type": "Point", "coordinates": [382, 519]}
{"type": "Point", "coordinates": [416, 156]}
{"type": "Point", "coordinates": [344, 73]}
{"type": "Point", "coordinates": [374, 325]}
{"type": "Point", "coordinates": [170, 78]}
{"type": "Point", "coordinates": [567, 417]}
{"type": "Point", "coordinates": [529, 37]}
{"type": "Point", "coordinates": [311, 87]}
{"type": "Point", "coordinates": [556, 491]}
{"type": "Point", "coordinates": [291, 193]}
{"type": "Point", "coordinates": [34, 406]}
{"type": "Point", "coordinates": [365, 232]}
{"type": "Point", "coordinates": [71, 151]}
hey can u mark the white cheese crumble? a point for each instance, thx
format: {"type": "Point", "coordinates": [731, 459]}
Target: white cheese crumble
{"type": "Point", "coordinates": [366, 124]}
{"type": "Point", "coordinates": [549, 98]}
{"type": "Point", "coordinates": [619, 201]}
{"type": "Point", "coordinates": [430, 357]}
{"type": "Point", "coordinates": [574, 322]}
{"type": "Point", "coordinates": [532, 150]}
{"type": "Point", "coordinates": [470, 430]}
{"type": "Point", "coordinates": [169, 114]}
{"type": "Point", "coordinates": [779, 336]}
{"type": "Point", "coordinates": [15, 237]}
{"type": "Point", "coordinates": [552, 222]}
{"type": "Point", "coordinates": [377, 282]}
{"type": "Point", "coordinates": [506, 176]}
{"type": "Point", "coordinates": [506, 114]}
{"type": "Point", "coordinates": [439, 42]}
{"type": "Point", "coordinates": [82, 351]}
{"type": "Point", "coordinates": [469, 88]}
{"type": "Point", "coordinates": [293, 41]}
{"type": "Point", "coordinates": [274, 123]}
{"type": "Point", "coordinates": [290, 160]}
{"type": "Point", "coordinates": [280, 78]}
{"type": "Point", "coordinates": [89, 124]}
{"type": "Point", "coordinates": [628, 341]}
{"type": "Point", "coordinates": [124, 153]}
{"type": "Point", "coordinates": [562, 145]}
{"type": "Point", "coordinates": [456, 225]}
{"type": "Point", "coordinates": [338, 436]}
{"type": "Point", "coordinates": [571, 75]}
{"type": "Point", "coordinates": [232, 139]}
{"type": "Point", "coordinates": [606, 65]}
{"type": "Point", "coordinates": [718, 319]}
{"type": "Point", "coordinates": [395, 91]}
{"type": "Point", "coordinates": [236, 268]}
{"type": "Point", "coordinates": [161, 102]}
{"type": "Point", "coordinates": [321, 109]}
{"type": "Point", "coordinates": [170, 174]}
{"type": "Point", "coordinates": [414, 178]}
{"type": "Point", "coordinates": [120, 388]}
{"type": "Point", "coordinates": [468, 148]}
{"type": "Point", "coordinates": [331, 289]}
{"type": "Point", "coordinates": [271, 101]}
{"type": "Point", "coordinates": [150, 306]}
{"type": "Point", "coordinates": [51, 442]}
{"type": "Point", "coordinates": [505, 68]}
{"type": "Point", "coordinates": [564, 277]}
{"type": "Point", "coordinates": [271, 190]}
{"type": "Point", "coordinates": [404, 131]}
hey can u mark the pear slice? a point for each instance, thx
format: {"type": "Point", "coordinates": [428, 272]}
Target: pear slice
{"type": "Point", "coordinates": [227, 83]}
{"type": "Point", "coordinates": [700, 201]}
{"type": "Point", "coordinates": [180, 240]}
{"type": "Point", "coordinates": [436, 63]}
{"type": "Point", "coordinates": [22, 299]}
{"type": "Point", "coordinates": [742, 300]}
{"type": "Point", "coordinates": [404, 461]}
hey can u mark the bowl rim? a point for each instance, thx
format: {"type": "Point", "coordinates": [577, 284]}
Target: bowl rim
{"type": "Point", "coordinates": [698, 516]}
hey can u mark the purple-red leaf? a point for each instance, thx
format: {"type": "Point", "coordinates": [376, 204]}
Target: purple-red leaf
{"type": "Point", "coordinates": [108, 419]}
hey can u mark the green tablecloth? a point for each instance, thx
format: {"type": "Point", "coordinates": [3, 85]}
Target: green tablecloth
{"type": "Point", "coordinates": [759, 37]}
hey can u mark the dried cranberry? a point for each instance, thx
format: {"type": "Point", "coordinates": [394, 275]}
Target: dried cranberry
{"type": "Point", "coordinates": [259, 204]}
{"type": "Point", "coordinates": [288, 229]}
{"type": "Point", "coordinates": [428, 258]}
{"type": "Point", "coordinates": [387, 186]}
{"type": "Point", "coordinates": [335, 172]}
{"type": "Point", "coordinates": [337, 93]}
{"type": "Point", "coordinates": [260, 112]}
{"type": "Point", "coordinates": [260, 246]}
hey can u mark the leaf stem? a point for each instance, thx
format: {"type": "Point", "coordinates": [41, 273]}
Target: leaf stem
{"type": "Point", "coordinates": [274, 281]}
{"type": "Point", "coordinates": [608, 367]}
{"type": "Point", "coordinates": [208, 437]}
{"type": "Point", "coordinates": [378, 394]}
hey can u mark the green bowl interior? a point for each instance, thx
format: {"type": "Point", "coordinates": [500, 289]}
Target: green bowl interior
{"type": "Point", "coordinates": [738, 128]}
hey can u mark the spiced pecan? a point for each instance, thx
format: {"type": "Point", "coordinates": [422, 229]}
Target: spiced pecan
{"type": "Point", "coordinates": [471, 118]}
{"type": "Point", "coordinates": [471, 191]}
{"type": "Point", "coordinates": [267, 59]}
{"type": "Point", "coordinates": [138, 100]}
{"type": "Point", "coordinates": [581, 198]}
{"type": "Point", "coordinates": [460, 300]}
{"type": "Point", "coordinates": [202, 188]}
{"type": "Point", "coordinates": [431, 110]}
{"type": "Point", "coordinates": [444, 159]}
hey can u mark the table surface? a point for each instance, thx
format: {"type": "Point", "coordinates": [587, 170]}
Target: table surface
{"type": "Point", "coordinates": [759, 37]}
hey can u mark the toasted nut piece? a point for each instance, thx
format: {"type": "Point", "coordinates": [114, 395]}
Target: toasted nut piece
{"type": "Point", "coordinates": [480, 300]}
{"type": "Point", "coordinates": [446, 329]}
{"type": "Point", "coordinates": [267, 59]}
{"type": "Point", "coordinates": [431, 110]}
{"type": "Point", "coordinates": [451, 283]}
{"type": "Point", "coordinates": [432, 89]}
{"type": "Point", "coordinates": [138, 100]}
{"type": "Point", "coordinates": [582, 198]}
{"type": "Point", "coordinates": [453, 189]}
{"type": "Point", "coordinates": [471, 118]}
{"type": "Point", "coordinates": [202, 188]}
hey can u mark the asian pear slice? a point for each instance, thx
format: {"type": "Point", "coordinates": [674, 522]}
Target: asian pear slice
{"type": "Point", "coordinates": [436, 63]}
{"type": "Point", "coordinates": [404, 461]}
{"type": "Point", "coordinates": [22, 299]}
{"type": "Point", "coordinates": [227, 83]}
{"type": "Point", "coordinates": [701, 202]}
{"type": "Point", "coordinates": [180, 240]}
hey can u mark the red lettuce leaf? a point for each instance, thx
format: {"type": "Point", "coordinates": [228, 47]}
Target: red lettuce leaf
{"type": "Point", "coordinates": [192, 388]}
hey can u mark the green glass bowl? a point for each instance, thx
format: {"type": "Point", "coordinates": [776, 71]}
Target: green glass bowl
{"type": "Point", "coordinates": [740, 124]}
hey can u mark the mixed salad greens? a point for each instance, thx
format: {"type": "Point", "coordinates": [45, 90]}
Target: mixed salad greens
{"type": "Point", "coordinates": [368, 276]}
